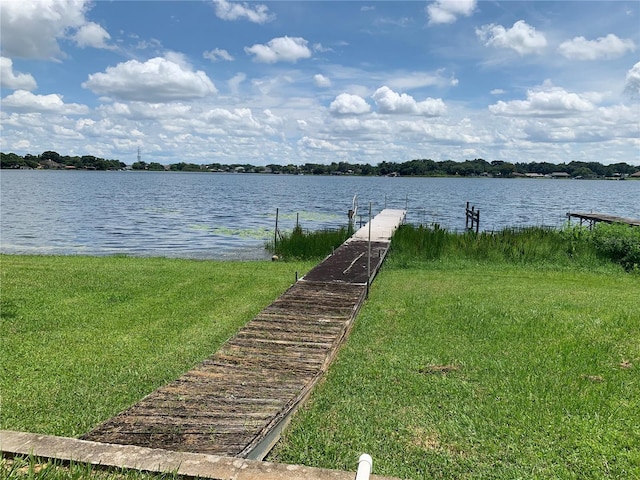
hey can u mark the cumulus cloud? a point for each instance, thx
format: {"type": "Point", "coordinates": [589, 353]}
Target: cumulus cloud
{"type": "Point", "coordinates": [347, 104]}
{"type": "Point", "coordinates": [236, 11]}
{"type": "Point", "coordinates": [282, 49]}
{"type": "Point", "coordinates": [234, 83]}
{"type": "Point", "coordinates": [422, 79]}
{"type": "Point", "coordinates": [92, 35]}
{"type": "Point", "coordinates": [156, 80]}
{"type": "Point", "coordinates": [391, 102]}
{"type": "Point", "coordinates": [632, 86]}
{"type": "Point", "coordinates": [31, 29]}
{"type": "Point", "coordinates": [321, 81]}
{"type": "Point", "coordinates": [144, 110]}
{"type": "Point", "coordinates": [522, 38]}
{"type": "Point", "coordinates": [14, 80]}
{"type": "Point", "coordinates": [24, 101]}
{"type": "Point", "coordinates": [548, 101]}
{"type": "Point", "coordinates": [604, 47]}
{"type": "Point", "coordinates": [217, 54]}
{"type": "Point", "coordinates": [447, 11]}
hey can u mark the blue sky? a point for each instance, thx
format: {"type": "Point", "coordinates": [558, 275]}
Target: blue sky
{"type": "Point", "coordinates": [316, 82]}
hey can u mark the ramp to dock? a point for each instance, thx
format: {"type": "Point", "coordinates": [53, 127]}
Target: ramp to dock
{"type": "Point", "coordinates": [237, 402]}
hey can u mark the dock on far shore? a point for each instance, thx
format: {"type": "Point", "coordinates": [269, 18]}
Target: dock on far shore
{"type": "Point", "coordinates": [593, 218]}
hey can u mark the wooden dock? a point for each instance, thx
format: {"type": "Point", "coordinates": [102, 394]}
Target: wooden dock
{"type": "Point", "coordinates": [238, 401]}
{"type": "Point", "coordinates": [593, 218]}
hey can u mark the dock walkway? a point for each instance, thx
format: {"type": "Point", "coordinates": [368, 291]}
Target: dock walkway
{"type": "Point", "coordinates": [593, 218]}
{"type": "Point", "coordinates": [237, 401]}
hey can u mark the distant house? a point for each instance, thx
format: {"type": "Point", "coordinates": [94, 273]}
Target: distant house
{"type": "Point", "coordinates": [635, 175]}
{"type": "Point", "coordinates": [560, 175]}
{"type": "Point", "coordinates": [534, 175]}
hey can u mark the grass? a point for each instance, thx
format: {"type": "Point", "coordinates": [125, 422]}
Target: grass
{"type": "Point", "coordinates": [305, 245]}
{"type": "Point", "coordinates": [83, 338]}
{"type": "Point", "coordinates": [20, 468]}
{"type": "Point", "coordinates": [502, 356]}
{"type": "Point", "coordinates": [484, 364]}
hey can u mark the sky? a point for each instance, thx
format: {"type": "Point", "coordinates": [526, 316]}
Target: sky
{"type": "Point", "coordinates": [294, 82]}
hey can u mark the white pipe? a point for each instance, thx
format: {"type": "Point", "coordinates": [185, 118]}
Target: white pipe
{"type": "Point", "coordinates": [365, 465]}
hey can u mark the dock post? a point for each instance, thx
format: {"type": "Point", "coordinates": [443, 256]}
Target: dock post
{"type": "Point", "coordinates": [466, 223]}
{"type": "Point", "coordinates": [369, 254]}
{"type": "Point", "coordinates": [275, 233]}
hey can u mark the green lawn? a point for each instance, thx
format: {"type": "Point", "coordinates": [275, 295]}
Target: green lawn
{"type": "Point", "coordinates": [503, 356]}
{"type": "Point", "coordinates": [466, 369]}
{"type": "Point", "coordinates": [83, 338]}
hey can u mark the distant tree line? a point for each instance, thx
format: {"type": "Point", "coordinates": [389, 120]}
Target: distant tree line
{"type": "Point", "coordinates": [53, 160]}
{"type": "Point", "coordinates": [411, 168]}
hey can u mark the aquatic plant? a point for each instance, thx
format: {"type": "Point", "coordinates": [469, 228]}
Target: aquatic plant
{"type": "Point", "coordinates": [304, 245]}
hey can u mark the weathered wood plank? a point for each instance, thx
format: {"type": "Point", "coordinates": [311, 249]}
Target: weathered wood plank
{"type": "Point", "coordinates": [236, 401]}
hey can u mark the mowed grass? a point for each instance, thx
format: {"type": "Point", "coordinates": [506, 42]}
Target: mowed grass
{"type": "Point", "coordinates": [468, 369]}
{"type": "Point", "coordinates": [83, 338]}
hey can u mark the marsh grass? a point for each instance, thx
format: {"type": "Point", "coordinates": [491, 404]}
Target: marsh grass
{"type": "Point", "coordinates": [530, 245]}
{"type": "Point", "coordinates": [479, 357]}
{"type": "Point", "coordinates": [306, 245]}
{"type": "Point", "coordinates": [85, 337]}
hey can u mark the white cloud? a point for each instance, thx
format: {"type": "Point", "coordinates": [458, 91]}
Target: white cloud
{"type": "Point", "coordinates": [604, 47]}
{"type": "Point", "coordinates": [548, 101]}
{"type": "Point", "coordinates": [317, 144]}
{"type": "Point", "coordinates": [31, 29]}
{"type": "Point", "coordinates": [14, 80]}
{"type": "Point", "coordinates": [321, 81]}
{"type": "Point", "coordinates": [92, 35]}
{"type": "Point", "coordinates": [156, 80]}
{"type": "Point", "coordinates": [144, 110]}
{"type": "Point", "coordinates": [347, 104]}
{"type": "Point", "coordinates": [318, 47]}
{"type": "Point", "coordinates": [447, 11]}
{"type": "Point", "coordinates": [632, 86]}
{"type": "Point", "coordinates": [391, 102]}
{"type": "Point", "coordinates": [234, 11]}
{"type": "Point", "coordinates": [234, 83]}
{"type": "Point", "coordinates": [217, 54]}
{"type": "Point", "coordinates": [497, 91]}
{"type": "Point", "coordinates": [522, 38]}
{"type": "Point", "coordinates": [282, 49]}
{"type": "Point", "coordinates": [421, 79]}
{"type": "Point", "coordinates": [23, 101]}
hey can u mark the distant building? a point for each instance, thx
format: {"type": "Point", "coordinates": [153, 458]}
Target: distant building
{"type": "Point", "coordinates": [560, 175]}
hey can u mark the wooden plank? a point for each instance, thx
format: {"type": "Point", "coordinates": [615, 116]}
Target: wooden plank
{"type": "Point", "coordinates": [603, 217]}
{"type": "Point", "coordinates": [237, 401]}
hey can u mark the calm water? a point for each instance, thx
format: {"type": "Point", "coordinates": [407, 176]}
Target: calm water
{"type": "Point", "coordinates": [229, 216]}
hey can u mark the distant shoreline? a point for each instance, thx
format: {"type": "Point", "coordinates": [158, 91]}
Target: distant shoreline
{"type": "Point", "coordinates": [413, 168]}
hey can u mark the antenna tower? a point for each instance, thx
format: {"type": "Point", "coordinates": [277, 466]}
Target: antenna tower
{"type": "Point", "coordinates": [138, 154]}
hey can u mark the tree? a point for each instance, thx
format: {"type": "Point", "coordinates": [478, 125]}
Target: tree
{"type": "Point", "coordinates": [141, 165]}
{"type": "Point", "coordinates": [155, 166]}
{"type": "Point", "coordinates": [50, 155]}
{"type": "Point", "coordinates": [11, 160]}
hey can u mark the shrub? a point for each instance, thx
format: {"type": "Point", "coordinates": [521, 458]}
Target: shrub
{"type": "Point", "coordinates": [619, 243]}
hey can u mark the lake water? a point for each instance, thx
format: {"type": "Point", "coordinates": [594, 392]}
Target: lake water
{"type": "Point", "coordinates": [230, 216]}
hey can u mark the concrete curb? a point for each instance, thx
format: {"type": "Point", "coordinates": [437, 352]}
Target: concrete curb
{"type": "Point", "coordinates": [161, 461]}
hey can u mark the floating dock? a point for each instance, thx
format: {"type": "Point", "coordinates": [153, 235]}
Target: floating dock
{"type": "Point", "coordinates": [238, 401]}
{"type": "Point", "coordinates": [593, 218]}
